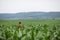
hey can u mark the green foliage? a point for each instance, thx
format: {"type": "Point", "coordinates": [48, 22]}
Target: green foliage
{"type": "Point", "coordinates": [32, 30]}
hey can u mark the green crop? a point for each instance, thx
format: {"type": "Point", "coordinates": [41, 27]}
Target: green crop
{"type": "Point", "coordinates": [32, 30]}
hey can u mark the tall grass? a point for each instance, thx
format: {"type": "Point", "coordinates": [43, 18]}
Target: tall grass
{"type": "Point", "coordinates": [33, 32]}
{"type": "Point", "coordinates": [46, 30]}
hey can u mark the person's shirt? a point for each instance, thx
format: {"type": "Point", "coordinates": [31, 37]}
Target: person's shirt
{"type": "Point", "coordinates": [19, 25]}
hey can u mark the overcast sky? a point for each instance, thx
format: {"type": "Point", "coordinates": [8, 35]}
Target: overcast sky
{"type": "Point", "coordinates": [13, 6]}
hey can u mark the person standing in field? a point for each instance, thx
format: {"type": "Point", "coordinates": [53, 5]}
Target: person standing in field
{"type": "Point", "coordinates": [19, 25]}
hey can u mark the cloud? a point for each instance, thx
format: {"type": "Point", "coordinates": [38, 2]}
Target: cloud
{"type": "Point", "coordinates": [12, 6]}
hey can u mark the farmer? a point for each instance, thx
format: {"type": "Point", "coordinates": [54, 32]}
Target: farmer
{"type": "Point", "coordinates": [19, 25]}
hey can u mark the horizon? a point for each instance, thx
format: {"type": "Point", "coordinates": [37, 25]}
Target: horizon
{"type": "Point", "coordinates": [30, 12]}
{"type": "Point", "coordinates": [15, 6]}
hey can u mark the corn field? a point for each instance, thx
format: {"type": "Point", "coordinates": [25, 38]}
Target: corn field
{"type": "Point", "coordinates": [30, 32]}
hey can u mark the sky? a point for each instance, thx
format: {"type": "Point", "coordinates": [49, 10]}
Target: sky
{"type": "Point", "coordinates": [14, 6]}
